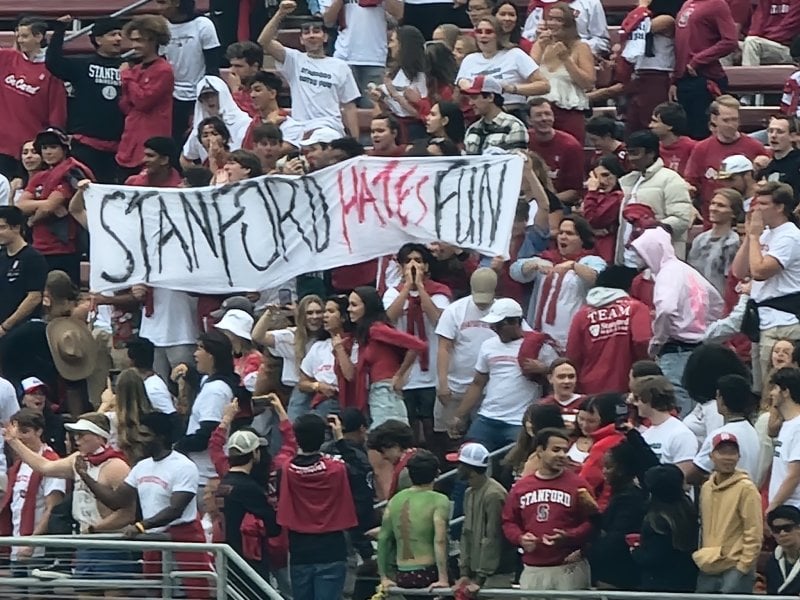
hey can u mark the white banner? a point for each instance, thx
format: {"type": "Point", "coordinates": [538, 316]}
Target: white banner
{"type": "Point", "coordinates": [259, 233]}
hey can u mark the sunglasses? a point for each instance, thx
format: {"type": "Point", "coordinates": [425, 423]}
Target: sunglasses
{"type": "Point", "coordinates": [783, 528]}
{"type": "Point", "coordinates": [484, 31]}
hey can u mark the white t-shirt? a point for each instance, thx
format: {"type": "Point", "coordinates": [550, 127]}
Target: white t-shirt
{"type": "Point", "coordinates": [704, 418]}
{"type": "Point", "coordinates": [319, 87]}
{"type": "Point", "coordinates": [418, 378]}
{"type": "Point", "coordinates": [209, 405]}
{"type": "Point", "coordinates": [509, 66]}
{"type": "Point", "coordinates": [783, 244]}
{"type": "Point", "coordinates": [47, 487]}
{"type": "Point", "coordinates": [318, 363]}
{"type": "Point", "coordinates": [401, 82]}
{"type": "Point", "coordinates": [363, 41]}
{"type": "Point", "coordinates": [5, 192]}
{"type": "Point", "coordinates": [174, 319]}
{"type": "Point", "coordinates": [671, 441]}
{"type": "Point", "coordinates": [787, 450]}
{"type": "Point", "coordinates": [158, 394]}
{"type": "Point", "coordinates": [8, 406]}
{"type": "Point", "coordinates": [284, 348]}
{"type": "Point", "coordinates": [185, 53]}
{"type": "Point", "coordinates": [749, 448]}
{"type": "Point", "coordinates": [156, 481]}
{"type": "Point", "coordinates": [461, 323]}
{"type": "Point", "coordinates": [508, 392]}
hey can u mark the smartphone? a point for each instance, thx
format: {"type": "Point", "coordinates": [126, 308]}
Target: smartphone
{"type": "Point", "coordinates": [113, 375]}
{"type": "Point", "coordinates": [261, 404]}
{"type": "Point", "coordinates": [621, 412]}
{"type": "Point", "coordinates": [284, 296]}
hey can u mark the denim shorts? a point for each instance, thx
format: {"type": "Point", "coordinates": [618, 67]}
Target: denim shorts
{"type": "Point", "coordinates": [385, 404]}
{"type": "Point", "coordinates": [104, 564]}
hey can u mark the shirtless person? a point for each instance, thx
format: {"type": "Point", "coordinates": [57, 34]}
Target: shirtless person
{"type": "Point", "coordinates": [107, 465]}
{"type": "Point", "coordinates": [415, 525]}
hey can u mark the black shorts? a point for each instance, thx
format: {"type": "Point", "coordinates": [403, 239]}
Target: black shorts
{"type": "Point", "coordinates": [419, 402]}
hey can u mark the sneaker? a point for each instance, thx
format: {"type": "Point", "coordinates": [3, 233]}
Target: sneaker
{"type": "Point", "coordinates": [54, 571]}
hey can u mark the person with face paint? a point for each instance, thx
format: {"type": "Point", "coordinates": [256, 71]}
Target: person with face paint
{"type": "Point", "coordinates": [481, 537]}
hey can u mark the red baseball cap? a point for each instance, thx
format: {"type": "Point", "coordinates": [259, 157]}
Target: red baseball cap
{"type": "Point", "coordinates": [483, 85]}
{"type": "Point", "coordinates": [724, 438]}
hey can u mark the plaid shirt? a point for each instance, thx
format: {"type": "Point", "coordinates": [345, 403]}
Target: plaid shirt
{"type": "Point", "coordinates": [504, 131]}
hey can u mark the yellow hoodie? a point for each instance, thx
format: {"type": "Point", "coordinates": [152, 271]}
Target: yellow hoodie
{"type": "Point", "coordinates": [732, 525]}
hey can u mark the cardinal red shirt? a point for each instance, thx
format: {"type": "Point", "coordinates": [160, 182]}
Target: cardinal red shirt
{"type": "Point", "coordinates": [143, 180]}
{"type": "Point", "coordinates": [706, 158]}
{"type": "Point", "coordinates": [540, 506]}
{"type": "Point", "coordinates": [776, 20]}
{"type": "Point", "coordinates": [704, 32]}
{"type": "Point", "coordinates": [676, 155]}
{"type": "Point", "coordinates": [31, 100]}
{"type": "Point", "coordinates": [564, 158]}
{"type": "Point", "coordinates": [620, 328]}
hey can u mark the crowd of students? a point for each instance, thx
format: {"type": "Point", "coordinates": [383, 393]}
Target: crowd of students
{"type": "Point", "coordinates": [636, 352]}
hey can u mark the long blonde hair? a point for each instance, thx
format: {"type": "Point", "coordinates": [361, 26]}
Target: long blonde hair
{"type": "Point", "coordinates": [131, 405]}
{"type": "Point", "coordinates": [301, 335]}
{"type": "Point", "coordinates": [570, 22]}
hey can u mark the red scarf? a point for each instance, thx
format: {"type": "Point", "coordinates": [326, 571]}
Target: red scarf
{"type": "Point", "coordinates": [105, 453]}
{"type": "Point", "coordinates": [415, 318]}
{"type": "Point", "coordinates": [28, 519]}
{"type": "Point", "coordinates": [348, 397]}
{"type": "Point", "coordinates": [243, 22]}
{"type": "Point", "coordinates": [555, 257]}
{"type": "Point", "coordinates": [398, 468]}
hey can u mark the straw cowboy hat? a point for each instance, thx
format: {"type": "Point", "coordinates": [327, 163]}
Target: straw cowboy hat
{"type": "Point", "coordinates": [73, 348]}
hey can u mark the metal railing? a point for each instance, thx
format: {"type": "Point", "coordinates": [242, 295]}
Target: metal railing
{"type": "Point", "coordinates": [122, 11]}
{"type": "Point", "coordinates": [227, 575]}
{"type": "Point", "coordinates": [585, 594]}
{"type": "Point", "coordinates": [452, 473]}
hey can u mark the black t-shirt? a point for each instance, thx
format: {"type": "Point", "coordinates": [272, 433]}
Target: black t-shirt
{"type": "Point", "coordinates": [785, 170]}
{"type": "Point", "coordinates": [24, 272]}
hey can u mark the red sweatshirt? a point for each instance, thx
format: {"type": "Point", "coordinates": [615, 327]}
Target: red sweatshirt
{"type": "Point", "coordinates": [705, 160]}
{"type": "Point", "coordinates": [676, 155]}
{"type": "Point", "coordinates": [704, 32]}
{"type": "Point", "coordinates": [618, 326]}
{"type": "Point", "coordinates": [31, 99]}
{"type": "Point", "coordinates": [601, 209]}
{"type": "Point", "coordinates": [604, 439]}
{"type": "Point", "coordinates": [776, 20]}
{"type": "Point", "coordinates": [540, 506]}
{"type": "Point", "coordinates": [564, 158]}
{"type": "Point", "coordinates": [146, 102]}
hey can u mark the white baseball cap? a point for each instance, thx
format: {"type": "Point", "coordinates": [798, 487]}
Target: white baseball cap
{"type": "Point", "coordinates": [238, 322]}
{"type": "Point", "coordinates": [733, 165]}
{"type": "Point", "coordinates": [244, 442]}
{"type": "Point", "coordinates": [503, 308]}
{"type": "Point", "coordinates": [471, 453]}
{"type": "Point", "coordinates": [321, 135]}
{"type": "Point", "coordinates": [31, 384]}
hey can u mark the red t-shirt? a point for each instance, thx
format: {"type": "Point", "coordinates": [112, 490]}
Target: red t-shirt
{"type": "Point", "coordinates": [620, 328]}
{"type": "Point", "coordinates": [564, 158]}
{"type": "Point", "coordinates": [46, 237]}
{"type": "Point", "coordinates": [676, 155]}
{"type": "Point", "coordinates": [706, 158]}
{"type": "Point", "coordinates": [143, 179]}
{"type": "Point", "coordinates": [776, 20]}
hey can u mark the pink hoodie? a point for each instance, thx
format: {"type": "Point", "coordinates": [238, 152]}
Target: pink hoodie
{"type": "Point", "coordinates": [685, 302]}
